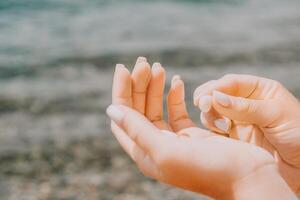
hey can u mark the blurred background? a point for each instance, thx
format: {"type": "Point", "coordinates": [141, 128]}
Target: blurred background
{"type": "Point", "coordinates": [56, 63]}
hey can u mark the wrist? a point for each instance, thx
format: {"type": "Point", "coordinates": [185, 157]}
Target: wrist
{"type": "Point", "coordinates": [263, 183]}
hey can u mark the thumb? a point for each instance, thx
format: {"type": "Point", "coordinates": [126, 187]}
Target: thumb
{"type": "Point", "coordinates": [136, 126]}
{"type": "Point", "coordinates": [260, 112]}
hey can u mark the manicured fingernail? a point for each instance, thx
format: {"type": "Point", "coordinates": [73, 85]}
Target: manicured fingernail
{"type": "Point", "coordinates": [156, 66]}
{"type": "Point", "coordinates": [221, 98]}
{"type": "Point", "coordinates": [205, 103]}
{"type": "Point", "coordinates": [119, 66]}
{"type": "Point", "coordinates": [176, 83]}
{"type": "Point", "coordinates": [222, 125]}
{"type": "Point", "coordinates": [141, 59]}
{"type": "Point", "coordinates": [115, 114]}
{"type": "Point", "coordinates": [175, 78]}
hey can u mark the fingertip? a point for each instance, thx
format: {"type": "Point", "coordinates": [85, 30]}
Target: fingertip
{"type": "Point", "coordinates": [121, 67]}
{"type": "Point", "coordinates": [141, 59]}
{"type": "Point", "coordinates": [196, 101]}
{"type": "Point", "coordinates": [115, 113]}
{"type": "Point", "coordinates": [196, 98]}
{"type": "Point", "coordinates": [175, 78]}
{"type": "Point", "coordinates": [118, 65]}
{"type": "Point", "coordinates": [121, 88]}
{"type": "Point", "coordinates": [176, 93]}
{"type": "Point", "coordinates": [140, 69]}
{"type": "Point", "coordinates": [141, 74]}
{"type": "Point", "coordinates": [223, 125]}
{"type": "Point", "coordinates": [205, 103]}
{"type": "Point", "coordinates": [157, 68]}
{"type": "Point", "coordinates": [156, 65]}
{"type": "Point", "coordinates": [177, 88]}
{"type": "Point", "coordinates": [142, 63]}
{"type": "Point", "coordinates": [158, 73]}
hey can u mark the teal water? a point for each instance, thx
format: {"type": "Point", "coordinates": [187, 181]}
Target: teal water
{"type": "Point", "coordinates": [43, 32]}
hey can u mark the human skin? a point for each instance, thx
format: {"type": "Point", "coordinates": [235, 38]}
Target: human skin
{"type": "Point", "coordinates": [263, 113]}
{"type": "Point", "coordinates": [179, 153]}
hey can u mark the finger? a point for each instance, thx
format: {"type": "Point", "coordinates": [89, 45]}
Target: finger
{"type": "Point", "coordinates": [155, 93]}
{"type": "Point", "coordinates": [212, 119]}
{"type": "Point", "coordinates": [178, 115]}
{"type": "Point", "coordinates": [144, 162]}
{"type": "Point", "coordinates": [205, 103]}
{"type": "Point", "coordinates": [259, 112]}
{"type": "Point", "coordinates": [215, 122]}
{"type": "Point", "coordinates": [246, 132]}
{"type": "Point", "coordinates": [137, 127]}
{"type": "Point", "coordinates": [237, 85]}
{"type": "Point", "coordinates": [141, 77]}
{"type": "Point", "coordinates": [121, 90]}
{"type": "Point", "coordinates": [126, 143]}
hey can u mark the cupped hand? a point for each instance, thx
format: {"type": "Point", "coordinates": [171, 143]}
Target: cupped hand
{"type": "Point", "coordinates": [263, 113]}
{"type": "Point", "coordinates": [178, 152]}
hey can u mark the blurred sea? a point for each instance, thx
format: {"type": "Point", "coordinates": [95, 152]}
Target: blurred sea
{"type": "Point", "coordinates": [35, 33]}
{"type": "Point", "coordinates": [56, 65]}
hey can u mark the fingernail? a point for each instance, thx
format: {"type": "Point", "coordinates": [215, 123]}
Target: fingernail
{"type": "Point", "coordinates": [228, 123]}
{"type": "Point", "coordinates": [222, 125]}
{"type": "Point", "coordinates": [205, 103]}
{"type": "Point", "coordinates": [156, 65]}
{"type": "Point", "coordinates": [176, 77]}
{"type": "Point", "coordinates": [119, 66]}
{"type": "Point", "coordinates": [141, 59]}
{"type": "Point", "coordinates": [115, 114]}
{"type": "Point", "coordinates": [175, 81]}
{"type": "Point", "coordinates": [156, 68]}
{"type": "Point", "coordinates": [221, 98]}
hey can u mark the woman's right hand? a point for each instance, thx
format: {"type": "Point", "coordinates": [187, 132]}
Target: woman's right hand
{"type": "Point", "coordinates": [262, 111]}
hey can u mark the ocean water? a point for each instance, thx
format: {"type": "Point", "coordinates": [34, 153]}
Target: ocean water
{"type": "Point", "coordinates": [42, 32]}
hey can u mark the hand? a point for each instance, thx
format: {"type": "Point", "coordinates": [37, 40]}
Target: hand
{"type": "Point", "coordinates": [263, 113]}
{"type": "Point", "coordinates": [178, 153]}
